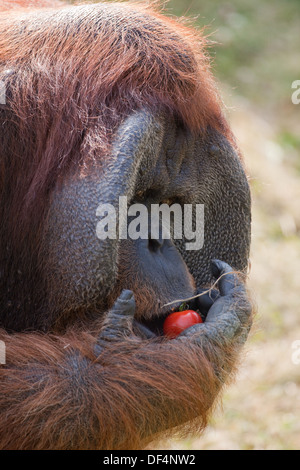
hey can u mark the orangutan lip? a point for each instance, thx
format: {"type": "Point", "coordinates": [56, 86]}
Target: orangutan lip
{"type": "Point", "coordinates": [153, 327]}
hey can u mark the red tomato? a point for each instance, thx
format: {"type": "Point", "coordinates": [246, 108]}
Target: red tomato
{"type": "Point", "coordinates": [176, 322]}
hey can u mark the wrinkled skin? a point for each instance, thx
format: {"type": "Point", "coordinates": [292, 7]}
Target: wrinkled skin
{"type": "Point", "coordinates": [226, 312]}
{"type": "Point", "coordinates": [153, 160]}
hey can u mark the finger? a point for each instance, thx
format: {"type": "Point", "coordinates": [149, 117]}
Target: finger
{"type": "Point", "coordinates": [222, 332]}
{"type": "Point", "coordinates": [120, 316]}
{"type": "Point", "coordinates": [118, 321]}
{"type": "Point", "coordinates": [205, 301]}
{"type": "Point", "coordinates": [123, 306]}
{"type": "Point", "coordinates": [228, 280]}
{"type": "Point", "coordinates": [229, 317]}
{"type": "Point", "coordinates": [193, 332]}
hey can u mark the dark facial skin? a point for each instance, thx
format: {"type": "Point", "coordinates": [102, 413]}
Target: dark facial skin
{"type": "Point", "coordinates": [163, 268]}
{"type": "Point", "coordinates": [161, 276]}
{"type": "Point", "coordinates": [204, 171]}
{"type": "Point", "coordinates": [226, 312]}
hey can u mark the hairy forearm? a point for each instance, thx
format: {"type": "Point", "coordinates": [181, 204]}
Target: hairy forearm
{"type": "Point", "coordinates": [56, 394]}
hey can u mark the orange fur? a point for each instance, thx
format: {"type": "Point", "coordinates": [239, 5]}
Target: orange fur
{"type": "Point", "coordinates": [55, 394]}
{"type": "Point", "coordinates": [65, 77]}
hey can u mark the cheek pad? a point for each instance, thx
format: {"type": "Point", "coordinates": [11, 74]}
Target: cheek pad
{"type": "Point", "coordinates": [223, 189]}
{"type": "Point", "coordinates": [81, 269]}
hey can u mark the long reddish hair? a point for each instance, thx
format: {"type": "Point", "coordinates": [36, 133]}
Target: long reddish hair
{"type": "Point", "coordinates": [78, 72]}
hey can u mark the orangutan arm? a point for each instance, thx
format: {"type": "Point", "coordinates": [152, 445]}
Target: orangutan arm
{"type": "Point", "coordinates": [71, 392]}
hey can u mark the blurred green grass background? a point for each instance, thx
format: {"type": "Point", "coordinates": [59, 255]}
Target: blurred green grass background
{"type": "Point", "coordinates": [255, 49]}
